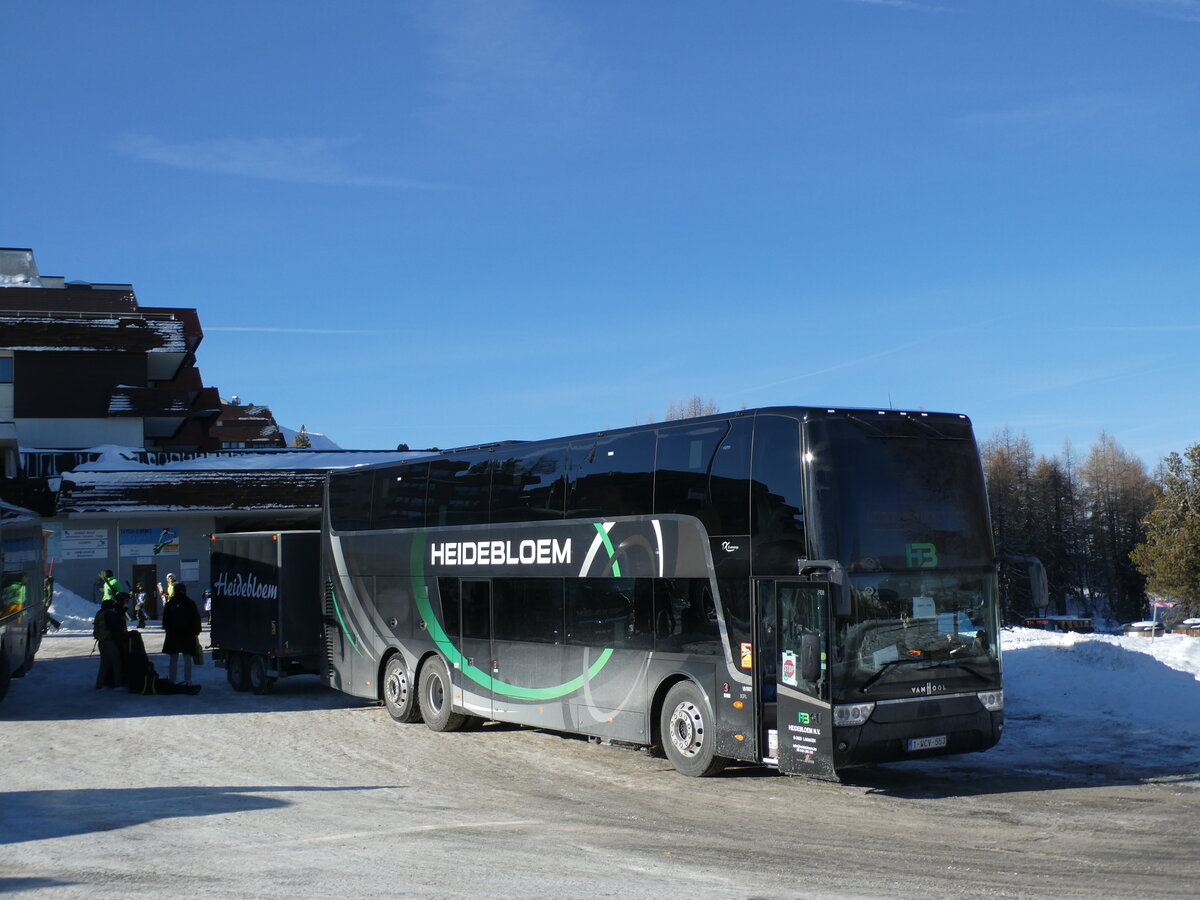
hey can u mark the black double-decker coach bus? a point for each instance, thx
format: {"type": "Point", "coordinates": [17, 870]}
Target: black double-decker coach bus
{"type": "Point", "coordinates": [813, 589]}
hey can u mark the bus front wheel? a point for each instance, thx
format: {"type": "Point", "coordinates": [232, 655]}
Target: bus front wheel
{"type": "Point", "coordinates": [688, 733]}
{"type": "Point", "coordinates": [398, 694]}
{"type": "Point", "coordinates": [435, 693]}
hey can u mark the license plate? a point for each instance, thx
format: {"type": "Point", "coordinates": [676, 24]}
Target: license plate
{"type": "Point", "coordinates": [928, 743]}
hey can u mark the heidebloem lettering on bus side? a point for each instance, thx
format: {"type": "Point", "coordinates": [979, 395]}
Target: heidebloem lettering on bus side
{"type": "Point", "coordinates": [541, 552]}
{"type": "Point", "coordinates": [237, 586]}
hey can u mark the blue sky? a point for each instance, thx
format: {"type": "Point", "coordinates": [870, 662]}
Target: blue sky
{"type": "Point", "coordinates": [456, 222]}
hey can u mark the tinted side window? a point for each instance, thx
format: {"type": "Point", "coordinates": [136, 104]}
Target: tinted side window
{"type": "Point", "coordinates": [400, 496]}
{"type": "Point", "coordinates": [528, 609]}
{"type": "Point", "coordinates": [777, 505]}
{"type": "Point", "coordinates": [476, 609]}
{"type": "Point", "coordinates": [458, 491]}
{"type": "Point", "coordinates": [451, 621]}
{"type": "Point", "coordinates": [610, 612]}
{"type": "Point", "coordinates": [612, 476]}
{"type": "Point", "coordinates": [703, 471]}
{"type": "Point", "coordinates": [529, 486]}
{"type": "Point", "coordinates": [685, 616]}
{"type": "Point", "coordinates": [350, 500]}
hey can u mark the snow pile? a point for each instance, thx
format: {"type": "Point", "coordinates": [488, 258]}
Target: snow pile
{"type": "Point", "coordinates": [1098, 704]}
{"type": "Point", "coordinates": [74, 612]}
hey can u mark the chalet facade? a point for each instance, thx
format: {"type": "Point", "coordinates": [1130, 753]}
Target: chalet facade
{"type": "Point", "coordinates": [83, 365]}
{"type": "Point", "coordinates": [108, 432]}
{"type": "Point", "coordinates": [248, 426]}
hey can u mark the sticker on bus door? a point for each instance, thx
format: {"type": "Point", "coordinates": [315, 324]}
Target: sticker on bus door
{"type": "Point", "coordinates": [787, 668]}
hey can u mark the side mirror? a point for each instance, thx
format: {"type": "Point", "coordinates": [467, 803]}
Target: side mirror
{"type": "Point", "coordinates": [810, 657]}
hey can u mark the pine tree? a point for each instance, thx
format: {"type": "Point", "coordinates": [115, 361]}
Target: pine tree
{"type": "Point", "coordinates": [302, 441]}
{"type": "Point", "coordinates": [1170, 555]}
{"type": "Point", "coordinates": [1117, 495]}
{"type": "Point", "coordinates": [691, 408]}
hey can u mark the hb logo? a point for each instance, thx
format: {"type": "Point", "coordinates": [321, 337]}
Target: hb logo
{"type": "Point", "coordinates": [921, 556]}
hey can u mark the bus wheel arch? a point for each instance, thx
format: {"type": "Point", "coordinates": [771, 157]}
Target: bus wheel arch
{"type": "Point", "coordinates": [398, 688]}
{"type": "Point", "coordinates": [687, 730]}
{"type": "Point", "coordinates": [656, 706]}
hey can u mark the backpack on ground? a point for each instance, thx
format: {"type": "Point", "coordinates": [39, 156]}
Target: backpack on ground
{"type": "Point", "coordinates": [99, 626]}
{"type": "Point", "coordinates": [140, 676]}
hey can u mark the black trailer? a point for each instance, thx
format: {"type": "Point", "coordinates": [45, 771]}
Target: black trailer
{"type": "Point", "coordinates": [266, 606]}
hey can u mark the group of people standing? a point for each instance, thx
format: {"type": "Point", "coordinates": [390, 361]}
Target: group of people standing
{"type": "Point", "coordinates": [120, 654]}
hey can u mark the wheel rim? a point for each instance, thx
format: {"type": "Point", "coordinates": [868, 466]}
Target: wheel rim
{"type": "Point", "coordinates": [397, 687]}
{"type": "Point", "coordinates": [437, 692]}
{"type": "Point", "coordinates": [687, 729]}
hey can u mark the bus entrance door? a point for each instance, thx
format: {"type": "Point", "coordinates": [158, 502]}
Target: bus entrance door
{"type": "Point", "coordinates": [795, 717]}
{"type": "Point", "coordinates": [474, 675]}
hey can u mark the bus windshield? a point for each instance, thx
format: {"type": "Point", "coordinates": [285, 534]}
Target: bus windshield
{"type": "Point", "coordinates": [897, 491]}
{"type": "Point", "coordinates": [907, 628]}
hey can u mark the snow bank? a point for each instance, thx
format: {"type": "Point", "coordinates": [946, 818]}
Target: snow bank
{"type": "Point", "coordinates": [1077, 701]}
{"type": "Point", "coordinates": [74, 612]}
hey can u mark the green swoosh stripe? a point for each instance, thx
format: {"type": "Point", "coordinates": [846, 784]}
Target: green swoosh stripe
{"type": "Point", "coordinates": [338, 612]}
{"type": "Point", "coordinates": [616, 566]}
{"type": "Point", "coordinates": [456, 658]}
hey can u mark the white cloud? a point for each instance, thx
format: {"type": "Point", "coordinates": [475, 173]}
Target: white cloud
{"type": "Point", "coordinates": [1179, 10]}
{"type": "Point", "coordinates": [523, 59]}
{"type": "Point", "coordinates": [1056, 111]}
{"type": "Point", "coordinates": [273, 330]}
{"type": "Point", "coordinates": [300, 160]}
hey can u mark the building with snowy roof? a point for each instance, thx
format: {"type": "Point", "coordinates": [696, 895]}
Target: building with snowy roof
{"type": "Point", "coordinates": [84, 364]}
{"type": "Point", "coordinates": [108, 432]}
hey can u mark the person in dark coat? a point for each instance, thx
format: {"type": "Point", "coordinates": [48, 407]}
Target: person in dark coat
{"type": "Point", "coordinates": [108, 628]}
{"type": "Point", "coordinates": [181, 624]}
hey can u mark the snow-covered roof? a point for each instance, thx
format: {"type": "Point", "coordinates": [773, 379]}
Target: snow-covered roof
{"type": "Point", "coordinates": [46, 331]}
{"type": "Point", "coordinates": [117, 481]}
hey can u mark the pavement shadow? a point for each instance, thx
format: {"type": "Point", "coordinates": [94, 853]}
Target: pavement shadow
{"type": "Point", "coordinates": [39, 815]}
{"type": "Point", "coordinates": [63, 688]}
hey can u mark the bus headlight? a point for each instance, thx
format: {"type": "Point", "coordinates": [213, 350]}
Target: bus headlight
{"type": "Point", "coordinates": [993, 701]}
{"type": "Point", "coordinates": [852, 714]}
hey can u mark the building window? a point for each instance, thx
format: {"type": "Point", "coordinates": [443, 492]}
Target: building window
{"type": "Point", "coordinates": [6, 369]}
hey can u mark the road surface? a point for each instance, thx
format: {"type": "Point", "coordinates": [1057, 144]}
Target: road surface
{"type": "Point", "coordinates": [308, 793]}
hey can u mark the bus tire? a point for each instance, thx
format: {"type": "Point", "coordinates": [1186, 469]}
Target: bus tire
{"type": "Point", "coordinates": [688, 732]}
{"type": "Point", "coordinates": [435, 695]}
{"type": "Point", "coordinates": [399, 695]}
{"type": "Point", "coordinates": [261, 681]}
{"type": "Point", "coordinates": [237, 671]}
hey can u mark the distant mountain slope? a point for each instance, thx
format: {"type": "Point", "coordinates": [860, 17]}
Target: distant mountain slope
{"type": "Point", "coordinates": [319, 441]}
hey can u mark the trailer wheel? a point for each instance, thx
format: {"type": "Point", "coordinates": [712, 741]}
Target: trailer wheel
{"type": "Point", "coordinates": [237, 671]}
{"type": "Point", "coordinates": [435, 693]}
{"type": "Point", "coordinates": [261, 682]}
{"type": "Point", "coordinates": [399, 694]}
{"type": "Point", "coordinates": [688, 735]}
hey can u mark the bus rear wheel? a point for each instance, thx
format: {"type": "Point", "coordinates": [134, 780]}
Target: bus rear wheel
{"type": "Point", "coordinates": [435, 693]}
{"type": "Point", "coordinates": [688, 735]}
{"type": "Point", "coordinates": [398, 694]}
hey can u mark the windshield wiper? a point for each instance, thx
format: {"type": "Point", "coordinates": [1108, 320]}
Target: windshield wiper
{"type": "Point", "coordinates": [883, 670]}
{"type": "Point", "coordinates": [949, 663]}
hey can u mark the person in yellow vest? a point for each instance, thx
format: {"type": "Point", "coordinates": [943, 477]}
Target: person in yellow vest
{"type": "Point", "coordinates": [111, 586]}
{"type": "Point", "coordinates": [165, 594]}
{"type": "Point", "coordinates": [181, 630]}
